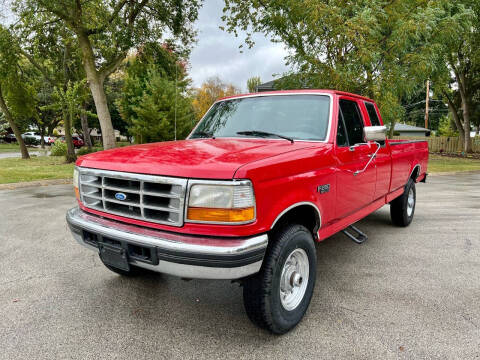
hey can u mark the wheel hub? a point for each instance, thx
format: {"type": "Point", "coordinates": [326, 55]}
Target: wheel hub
{"type": "Point", "coordinates": [294, 279]}
{"type": "Point", "coordinates": [410, 202]}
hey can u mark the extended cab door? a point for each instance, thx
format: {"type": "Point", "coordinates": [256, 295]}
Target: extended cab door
{"type": "Point", "coordinates": [383, 160]}
{"type": "Point", "coordinates": [353, 192]}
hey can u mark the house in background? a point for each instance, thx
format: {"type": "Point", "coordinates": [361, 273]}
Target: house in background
{"type": "Point", "coordinates": [95, 134]}
{"type": "Point", "coordinates": [409, 130]}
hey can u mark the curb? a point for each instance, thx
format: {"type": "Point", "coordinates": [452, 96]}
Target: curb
{"type": "Point", "coordinates": [37, 183]}
{"type": "Point", "coordinates": [454, 173]}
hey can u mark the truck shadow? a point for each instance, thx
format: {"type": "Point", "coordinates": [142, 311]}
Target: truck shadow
{"type": "Point", "coordinates": [207, 308]}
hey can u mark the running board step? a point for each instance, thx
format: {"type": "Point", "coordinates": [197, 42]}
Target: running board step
{"type": "Point", "coordinates": [359, 238]}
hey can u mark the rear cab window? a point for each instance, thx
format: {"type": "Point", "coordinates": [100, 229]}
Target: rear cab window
{"type": "Point", "coordinates": [372, 114]}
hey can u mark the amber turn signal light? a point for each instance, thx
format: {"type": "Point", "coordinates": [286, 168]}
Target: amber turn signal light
{"type": "Point", "coordinates": [221, 215]}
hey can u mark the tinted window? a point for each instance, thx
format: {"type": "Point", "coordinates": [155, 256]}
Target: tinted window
{"type": "Point", "coordinates": [353, 121]}
{"type": "Point", "coordinates": [302, 117]}
{"type": "Point", "coordinates": [341, 134]}
{"type": "Point", "coordinates": [372, 114]}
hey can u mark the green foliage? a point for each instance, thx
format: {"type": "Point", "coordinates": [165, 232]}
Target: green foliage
{"type": "Point", "coordinates": [153, 109]}
{"type": "Point", "coordinates": [252, 84]}
{"type": "Point", "coordinates": [154, 91]}
{"type": "Point", "coordinates": [85, 150]}
{"type": "Point", "coordinates": [58, 149]}
{"type": "Point", "coordinates": [445, 127]}
{"type": "Point", "coordinates": [31, 141]}
{"type": "Point", "coordinates": [375, 48]}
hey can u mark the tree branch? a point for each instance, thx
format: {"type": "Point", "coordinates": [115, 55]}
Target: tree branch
{"type": "Point", "coordinates": [109, 68]}
{"type": "Point", "coordinates": [116, 11]}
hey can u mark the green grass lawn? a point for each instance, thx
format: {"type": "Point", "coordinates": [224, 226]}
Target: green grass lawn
{"type": "Point", "coordinates": [14, 170]}
{"type": "Point", "coordinates": [13, 147]}
{"type": "Point", "coordinates": [437, 163]}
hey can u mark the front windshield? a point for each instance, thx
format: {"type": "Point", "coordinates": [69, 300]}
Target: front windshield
{"type": "Point", "coordinates": [299, 117]}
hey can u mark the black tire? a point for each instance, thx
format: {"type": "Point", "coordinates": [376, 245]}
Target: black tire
{"type": "Point", "coordinates": [400, 211]}
{"type": "Point", "coordinates": [261, 293]}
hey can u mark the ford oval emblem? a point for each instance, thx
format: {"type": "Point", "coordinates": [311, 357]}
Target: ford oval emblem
{"type": "Point", "coordinates": [120, 196]}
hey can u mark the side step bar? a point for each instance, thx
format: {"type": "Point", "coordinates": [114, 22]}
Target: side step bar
{"type": "Point", "coordinates": [359, 238]}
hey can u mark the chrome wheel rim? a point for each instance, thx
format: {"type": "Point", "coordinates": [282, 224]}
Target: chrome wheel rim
{"type": "Point", "coordinates": [410, 202]}
{"type": "Point", "coordinates": [294, 279]}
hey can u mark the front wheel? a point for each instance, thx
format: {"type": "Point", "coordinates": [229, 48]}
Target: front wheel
{"type": "Point", "coordinates": [402, 208]}
{"type": "Point", "coordinates": [278, 296]}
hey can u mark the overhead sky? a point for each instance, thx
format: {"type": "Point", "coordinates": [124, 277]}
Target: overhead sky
{"type": "Point", "coordinates": [217, 54]}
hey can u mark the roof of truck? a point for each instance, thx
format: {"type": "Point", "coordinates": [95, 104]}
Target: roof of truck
{"type": "Point", "coordinates": [300, 91]}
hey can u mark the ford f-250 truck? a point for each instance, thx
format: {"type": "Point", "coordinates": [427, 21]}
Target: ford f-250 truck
{"type": "Point", "coordinates": [260, 179]}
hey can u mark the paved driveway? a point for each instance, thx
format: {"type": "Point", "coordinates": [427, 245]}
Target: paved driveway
{"type": "Point", "coordinates": [406, 293]}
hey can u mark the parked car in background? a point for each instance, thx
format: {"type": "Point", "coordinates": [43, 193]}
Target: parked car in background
{"type": "Point", "coordinates": [50, 140]}
{"type": "Point", "coordinates": [31, 138]}
{"type": "Point", "coordinates": [77, 141]}
{"type": "Point", "coordinates": [10, 138]}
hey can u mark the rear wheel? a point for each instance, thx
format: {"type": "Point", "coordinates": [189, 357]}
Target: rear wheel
{"type": "Point", "coordinates": [278, 296]}
{"type": "Point", "coordinates": [402, 208]}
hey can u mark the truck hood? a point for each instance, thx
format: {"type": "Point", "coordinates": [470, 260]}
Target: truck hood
{"type": "Point", "coordinates": [199, 158]}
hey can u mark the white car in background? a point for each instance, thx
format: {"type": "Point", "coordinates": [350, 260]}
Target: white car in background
{"type": "Point", "coordinates": [37, 137]}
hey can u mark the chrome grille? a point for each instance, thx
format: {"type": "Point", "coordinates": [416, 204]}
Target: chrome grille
{"type": "Point", "coordinates": [151, 198]}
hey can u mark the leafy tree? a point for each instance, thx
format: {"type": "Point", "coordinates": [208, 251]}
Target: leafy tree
{"type": "Point", "coordinates": [154, 94]}
{"type": "Point", "coordinates": [376, 48]}
{"type": "Point", "coordinates": [252, 84]}
{"type": "Point", "coordinates": [210, 91]}
{"type": "Point", "coordinates": [106, 31]}
{"type": "Point", "coordinates": [458, 41]}
{"type": "Point", "coordinates": [11, 86]}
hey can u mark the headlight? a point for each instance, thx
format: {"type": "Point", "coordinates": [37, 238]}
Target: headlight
{"type": "Point", "coordinates": [75, 183]}
{"type": "Point", "coordinates": [221, 202]}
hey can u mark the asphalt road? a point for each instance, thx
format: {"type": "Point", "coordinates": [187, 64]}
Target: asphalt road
{"type": "Point", "coordinates": [405, 293]}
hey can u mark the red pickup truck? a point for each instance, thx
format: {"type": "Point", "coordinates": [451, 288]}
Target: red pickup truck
{"type": "Point", "coordinates": [260, 179]}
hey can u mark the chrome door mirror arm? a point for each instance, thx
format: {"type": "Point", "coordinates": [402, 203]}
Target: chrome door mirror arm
{"type": "Point", "coordinates": [369, 161]}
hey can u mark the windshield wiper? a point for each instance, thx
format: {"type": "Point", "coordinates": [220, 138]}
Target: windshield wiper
{"type": "Point", "coordinates": [203, 134]}
{"type": "Point", "coordinates": [263, 134]}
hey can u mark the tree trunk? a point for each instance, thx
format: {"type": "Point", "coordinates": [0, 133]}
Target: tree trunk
{"type": "Point", "coordinates": [95, 83]}
{"type": "Point", "coordinates": [71, 157]}
{"type": "Point", "coordinates": [457, 120]}
{"type": "Point", "coordinates": [85, 129]}
{"type": "Point", "coordinates": [467, 143]}
{"type": "Point", "coordinates": [16, 131]}
{"type": "Point", "coordinates": [392, 129]}
{"type": "Point", "coordinates": [42, 136]}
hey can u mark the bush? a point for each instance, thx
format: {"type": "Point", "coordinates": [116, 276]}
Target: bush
{"type": "Point", "coordinates": [85, 150]}
{"type": "Point", "coordinates": [31, 141]}
{"type": "Point", "coordinates": [59, 149]}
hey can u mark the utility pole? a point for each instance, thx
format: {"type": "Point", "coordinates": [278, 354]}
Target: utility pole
{"type": "Point", "coordinates": [427, 100]}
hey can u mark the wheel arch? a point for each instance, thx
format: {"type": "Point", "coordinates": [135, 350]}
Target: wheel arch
{"type": "Point", "coordinates": [415, 173]}
{"type": "Point", "coordinates": [304, 212]}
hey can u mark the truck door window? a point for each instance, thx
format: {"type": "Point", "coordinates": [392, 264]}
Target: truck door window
{"type": "Point", "coordinates": [372, 114]}
{"type": "Point", "coordinates": [341, 133]}
{"type": "Point", "coordinates": [353, 121]}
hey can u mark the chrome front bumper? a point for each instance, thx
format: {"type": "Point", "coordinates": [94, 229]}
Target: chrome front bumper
{"type": "Point", "coordinates": [172, 253]}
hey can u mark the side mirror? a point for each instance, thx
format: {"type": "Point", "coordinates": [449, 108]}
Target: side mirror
{"type": "Point", "coordinates": [375, 133]}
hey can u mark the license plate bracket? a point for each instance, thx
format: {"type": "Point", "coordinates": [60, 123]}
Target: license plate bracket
{"type": "Point", "coordinates": [114, 256]}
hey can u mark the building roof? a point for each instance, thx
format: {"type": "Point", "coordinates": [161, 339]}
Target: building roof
{"type": "Point", "coordinates": [268, 86]}
{"type": "Point", "coordinates": [407, 128]}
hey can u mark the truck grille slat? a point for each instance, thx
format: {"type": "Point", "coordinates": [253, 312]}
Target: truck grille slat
{"type": "Point", "coordinates": [146, 197]}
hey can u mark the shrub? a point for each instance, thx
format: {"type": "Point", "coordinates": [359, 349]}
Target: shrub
{"type": "Point", "coordinates": [31, 141]}
{"type": "Point", "coordinates": [85, 150]}
{"type": "Point", "coordinates": [59, 149]}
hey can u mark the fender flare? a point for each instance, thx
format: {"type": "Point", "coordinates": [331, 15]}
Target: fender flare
{"type": "Point", "coordinates": [309, 203]}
